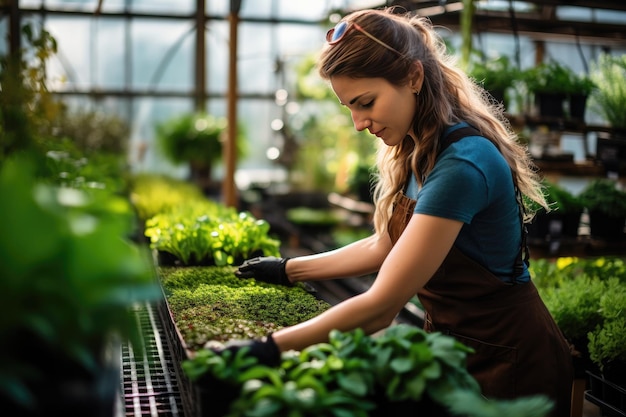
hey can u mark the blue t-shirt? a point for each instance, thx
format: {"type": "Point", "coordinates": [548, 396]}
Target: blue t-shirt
{"type": "Point", "coordinates": [472, 183]}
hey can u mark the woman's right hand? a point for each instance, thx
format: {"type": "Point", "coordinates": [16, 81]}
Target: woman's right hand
{"type": "Point", "coordinates": [268, 269]}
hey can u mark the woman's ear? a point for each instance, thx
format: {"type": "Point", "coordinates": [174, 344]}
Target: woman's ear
{"type": "Point", "coordinates": [416, 78]}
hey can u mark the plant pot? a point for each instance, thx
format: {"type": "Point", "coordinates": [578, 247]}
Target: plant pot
{"type": "Point", "coordinates": [606, 227]}
{"type": "Point", "coordinates": [611, 152]}
{"type": "Point", "coordinates": [571, 224]}
{"type": "Point", "coordinates": [577, 107]}
{"type": "Point", "coordinates": [615, 372]}
{"type": "Point", "coordinates": [547, 226]}
{"type": "Point", "coordinates": [550, 104]}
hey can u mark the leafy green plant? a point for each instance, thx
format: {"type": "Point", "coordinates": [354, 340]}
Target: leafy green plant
{"type": "Point", "coordinates": [93, 131]}
{"type": "Point", "coordinates": [208, 233]}
{"type": "Point", "coordinates": [353, 372]}
{"type": "Point", "coordinates": [609, 98]}
{"type": "Point", "coordinates": [192, 137]}
{"type": "Point", "coordinates": [583, 296]}
{"type": "Point", "coordinates": [26, 105]}
{"type": "Point", "coordinates": [551, 77]}
{"type": "Point", "coordinates": [607, 342]}
{"type": "Point", "coordinates": [69, 278]}
{"type": "Point", "coordinates": [495, 75]}
{"type": "Point", "coordinates": [574, 306]}
{"type": "Point", "coordinates": [604, 196]}
{"type": "Point", "coordinates": [562, 200]}
{"type": "Point", "coordinates": [153, 194]}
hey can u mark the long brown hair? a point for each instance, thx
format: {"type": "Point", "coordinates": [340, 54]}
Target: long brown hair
{"type": "Point", "coordinates": [448, 96]}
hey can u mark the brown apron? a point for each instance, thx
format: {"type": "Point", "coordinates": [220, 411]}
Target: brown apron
{"type": "Point", "coordinates": [519, 350]}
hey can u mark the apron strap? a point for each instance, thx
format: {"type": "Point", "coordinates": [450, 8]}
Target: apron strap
{"type": "Point", "coordinates": [523, 255]}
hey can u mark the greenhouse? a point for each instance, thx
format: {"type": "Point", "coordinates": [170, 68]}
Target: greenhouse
{"type": "Point", "coordinates": [313, 208]}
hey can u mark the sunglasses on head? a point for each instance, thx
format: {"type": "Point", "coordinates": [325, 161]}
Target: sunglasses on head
{"type": "Point", "coordinates": [336, 34]}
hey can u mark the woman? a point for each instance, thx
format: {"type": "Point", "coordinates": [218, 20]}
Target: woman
{"type": "Point", "coordinates": [449, 213]}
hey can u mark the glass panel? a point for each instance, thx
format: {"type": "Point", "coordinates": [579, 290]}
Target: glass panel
{"type": "Point", "coordinates": [30, 3]}
{"type": "Point", "coordinates": [145, 154]}
{"type": "Point", "coordinates": [72, 67]}
{"type": "Point", "coordinates": [164, 6]}
{"type": "Point", "coordinates": [83, 5]}
{"type": "Point", "coordinates": [219, 7]}
{"type": "Point", "coordinates": [307, 10]}
{"type": "Point", "coordinates": [110, 51]}
{"type": "Point", "coordinates": [217, 50]}
{"type": "Point", "coordinates": [255, 116]}
{"type": "Point", "coordinates": [256, 58]}
{"type": "Point", "coordinates": [162, 54]}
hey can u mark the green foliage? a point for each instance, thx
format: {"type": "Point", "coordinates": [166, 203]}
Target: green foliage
{"type": "Point", "coordinates": [212, 304]}
{"type": "Point", "coordinates": [26, 105]}
{"type": "Point", "coordinates": [350, 374]}
{"type": "Point", "coordinates": [607, 342]}
{"type": "Point", "coordinates": [180, 221]}
{"type": "Point", "coordinates": [154, 194]}
{"type": "Point", "coordinates": [609, 99]}
{"type": "Point", "coordinates": [211, 234]}
{"type": "Point", "coordinates": [195, 138]}
{"type": "Point", "coordinates": [68, 272]}
{"type": "Point", "coordinates": [315, 217]}
{"type": "Point", "coordinates": [93, 131]}
{"type": "Point", "coordinates": [562, 200]}
{"type": "Point", "coordinates": [553, 77]}
{"type": "Point", "coordinates": [67, 166]}
{"type": "Point", "coordinates": [467, 404]}
{"type": "Point", "coordinates": [587, 298]}
{"type": "Point", "coordinates": [494, 74]}
{"type": "Point", "coordinates": [558, 198]}
{"type": "Point", "coordinates": [603, 195]}
{"type": "Point", "coordinates": [328, 148]}
{"type": "Point", "coordinates": [574, 305]}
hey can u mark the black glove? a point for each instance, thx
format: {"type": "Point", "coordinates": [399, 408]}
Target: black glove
{"type": "Point", "coordinates": [264, 350]}
{"type": "Point", "coordinates": [265, 268]}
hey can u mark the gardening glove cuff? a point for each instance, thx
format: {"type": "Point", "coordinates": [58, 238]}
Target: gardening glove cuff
{"type": "Point", "coordinates": [264, 350]}
{"type": "Point", "coordinates": [268, 269]}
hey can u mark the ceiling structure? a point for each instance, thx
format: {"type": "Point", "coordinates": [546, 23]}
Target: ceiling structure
{"type": "Point", "coordinates": [538, 19]}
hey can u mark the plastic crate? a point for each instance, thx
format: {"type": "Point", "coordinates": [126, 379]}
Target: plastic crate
{"type": "Point", "coordinates": [611, 398]}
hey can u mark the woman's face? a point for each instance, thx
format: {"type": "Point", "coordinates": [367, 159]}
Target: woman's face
{"type": "Point", "coordinates": [386, 110]}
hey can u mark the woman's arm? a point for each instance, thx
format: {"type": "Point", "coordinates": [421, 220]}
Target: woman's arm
{"type": "Point", "coordinates": [409, 265]}
{"type": "Point", "coordinates": [362, 257]}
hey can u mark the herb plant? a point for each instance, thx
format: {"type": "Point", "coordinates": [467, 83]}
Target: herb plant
{"type": "Point", "coordinates": [607, 342]}
{"type": "Point", "coordinates": [609, 98]}
{"type": "Point", "coordinates": [346, 376]}
{"type": "Point", "coordinates": [604, 196]}
{"type": "Point", "coordinates": [205, 233]}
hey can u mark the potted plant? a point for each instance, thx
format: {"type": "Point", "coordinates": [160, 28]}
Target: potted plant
{"type": "Point", "coordinates": [195, 138]}
{"type": "Point", "coordinates": [608, 73]}
{"type": "Point", "coordinates": [606, 204]}
{"type": "Point", "coordinates": [403, 371]}
{"type": "Point", "coordinates": [496, 76]}
{"type": "Point", "coordinates": [551, 83]}
{"type": "Point", "coordinates": [581, 87]}
{"type": "Point", "coordinates": [608, 100]}
{"type": "Point", "coordinates": [607, 349]}
{"type": "Point", "coordinates": [607, 342]}
{"type": "Point", "coordinates": [563, 219]}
